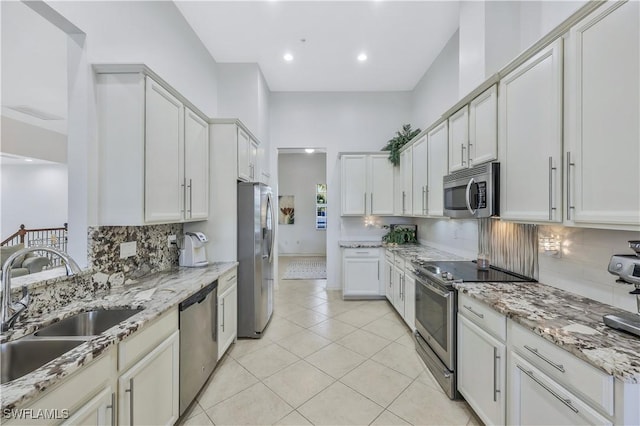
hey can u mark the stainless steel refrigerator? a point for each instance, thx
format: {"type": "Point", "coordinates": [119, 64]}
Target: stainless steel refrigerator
{"type": "Point", "coordinates": [255, 255]}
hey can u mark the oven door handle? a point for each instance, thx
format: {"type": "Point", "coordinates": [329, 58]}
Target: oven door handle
{"type": "Point", "coordinates": [468, 196]}
{"type": "Point", "coordinates": [433, 289]}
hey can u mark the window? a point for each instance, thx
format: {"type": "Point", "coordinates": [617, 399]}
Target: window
{"type": "Point", "coordinates": [321, 206]}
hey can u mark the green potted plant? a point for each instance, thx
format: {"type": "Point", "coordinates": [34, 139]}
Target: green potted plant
{"type": "Point", "coordinates": [396, 143]}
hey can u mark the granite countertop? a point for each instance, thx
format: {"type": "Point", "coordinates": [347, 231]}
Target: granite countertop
{"type": "Point", "coordinates": [572, 322]}
{"type": "Point", "coordinates": [360, 244]}
{"type": "Point", "coordinates": [156, 293]}
{"type": "Point", "coordinates": [411, 252]}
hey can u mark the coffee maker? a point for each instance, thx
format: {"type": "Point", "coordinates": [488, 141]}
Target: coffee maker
{"type": "Point", "coordinates": [193, 252]}
{"type": "Point", "coordinates": [627, 267]}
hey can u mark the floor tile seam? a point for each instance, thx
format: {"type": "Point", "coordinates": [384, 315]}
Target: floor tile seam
{"type": "Point", "coordinates": [334, 380]}
{"type": "Point", "coordinates": [304, 358]}
{"type": "Point", "coordinates": [231, 396]}
{"type": "Point", "coordinates": [396, 398]}
{"type": "Point", "coordinates": [394, 370]}
{"type": "Point", "coordinates": [361, 394]}
{"type": "Point", "coordinates": [367, 356]}
{"type": "Point", "coordinates": [279, 370]}
{"type": "Point", "coordinates": [294, 411]}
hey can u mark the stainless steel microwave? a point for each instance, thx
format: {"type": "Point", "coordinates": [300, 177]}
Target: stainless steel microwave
{"type": "Point", "coordinates": [473, 193]}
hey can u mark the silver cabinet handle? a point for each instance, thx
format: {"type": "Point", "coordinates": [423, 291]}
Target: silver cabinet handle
{"type": "Point", "coordinates": [551, 170]}
{"type": "Point", "coordinates": [378, 272]}
{"type": "Point", "coordinates": [130, 390]}
{"type": "Point", "coordinates": [470, 309]}
{"type": "Point", "coordinates": [534, 351]}
{"type": "Point", "coordinates": [569, 165]}
{"type": "Point", "coordinates": [426, 199]}
{"type": "Point", "coordinates": [403, 198]}
{"type": "Point", "coordinates": [390, 277]}
{"type": "Point", "coordinates": [232, 277]}
{"type": "Point", "coordinates": [112, 407]}
{"type": "Point", "coordinates": [462, 151]}
{"type": "Point", "coordinates": [222, 325]}
{"type": "Point", "coordinates": [184, 195]}
{"type": "Point", "coordinates": [365, 203]}
{"type": "Point", "coordinates": [190, 197]}
{"type": "Point", "coordinates": [496, 357]}
{"type": "Point", "coordinates": [565, 401]}
{"type": "Point", "coordinates": [371, 198]}
{"type": "Point", "coordinates": [424, 193]}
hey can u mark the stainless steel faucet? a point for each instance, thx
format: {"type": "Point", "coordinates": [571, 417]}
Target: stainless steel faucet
{"type": "Point", "coordinates": [11, 311]}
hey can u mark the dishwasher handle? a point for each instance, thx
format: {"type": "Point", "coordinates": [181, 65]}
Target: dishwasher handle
{"type": "Point", "coordinates": [199, 296]}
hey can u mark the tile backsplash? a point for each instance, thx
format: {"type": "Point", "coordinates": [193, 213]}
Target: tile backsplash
{"type": "Point", "coordinates": [153, 253]}
{"type": "Point", "coordinates": [510, 246]}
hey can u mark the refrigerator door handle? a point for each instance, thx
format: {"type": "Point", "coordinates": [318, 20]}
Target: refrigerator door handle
{"type": "Point", "coordinates": [272, 228]}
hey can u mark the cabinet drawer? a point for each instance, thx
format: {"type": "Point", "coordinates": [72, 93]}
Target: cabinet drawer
{"type": "Point", "coordinates": [480, 313]}
{"type": "Point", "coordinates": [141, 343]}
{"type": "Point", "coordinates": [227, 280]}
{"type": "Point", "coordinates": [399, 262]}
{"type": "Point", "coordinates": [593, 385]}
{"type": "Point", "coordinates": [361, 252]}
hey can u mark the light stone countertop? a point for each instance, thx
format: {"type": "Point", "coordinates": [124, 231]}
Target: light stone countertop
{"type": "Point", "coordinates": [171, 288]}
{"type": "Point", "coordinates": [360, 244]}
{"type": "Point", "coordinates": [553, 313]}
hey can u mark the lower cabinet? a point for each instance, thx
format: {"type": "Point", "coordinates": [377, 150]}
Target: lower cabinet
{"type": "Point", "coordinates": [410, 300]}
{"type": "Point", "coordinates": [536, 399]}
{"type": "Point", "coordinates": [361, 272]}
{"type": "Point", "coordinates": [481, 371]}
{"type": "Point", "coordinates": [398, 289]}
{"type": "Point", "coordinates": [148, 391]}
{"type": "Point", "coordinates": [227, 311]}
{"type": "Point", "coordinates": [98, 411]}
{"type": "Point", "coordinates": [387, 275]}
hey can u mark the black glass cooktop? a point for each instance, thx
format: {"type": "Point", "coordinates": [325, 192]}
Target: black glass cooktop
{"type": "Point", "coordinates": [467, 271]}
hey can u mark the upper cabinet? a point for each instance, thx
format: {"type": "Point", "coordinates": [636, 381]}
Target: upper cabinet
{"type": "Point", "coordinates": [603, 106]}
{"type": "Point", "coordinates": [530, 138]}
{"type": "Point", "coordinates": [420, 176]}
{"type": "Point", "coordinates": [483, 127]}
{"type": "Point", "coordinates": [437, 160]}
{"type": "Point", "coordinates": [247, 157]}
{"type": "Point", "coordinates": [459, 140]}
{"type": "Point", "coordinates": [152, 150]}
{"type": "Point", "coordinates": [406, 181]}
{"type": "Point", "coordinates": [367, 184]}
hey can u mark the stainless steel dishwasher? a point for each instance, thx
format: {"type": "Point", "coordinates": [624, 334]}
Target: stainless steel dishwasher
{"type": "Point", "coordinates": [198, 341]}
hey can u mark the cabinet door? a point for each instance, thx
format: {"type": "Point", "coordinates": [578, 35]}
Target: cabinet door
{"type": "Point", "coordinates": [410, 301]}
{"type": "Point", "coordinates": [244, 156]}
{"type": "Point", "coordinates": [420, 163]}
{"type": "Point", "coordinates": [196, 166]}
{"type": "Point", "coordinates": [254, 172]}
{"type": "Point", "coordinates": [406, 172]}
{"type": "Point", "coordinates": [380, 179]}
{"type": "Point", "coordinates": [535, 399]}
{"type": "Point", "coordinates": [354, 184]}
{"type": "Point", "coordinates": [98, 411]}
{"type": "Point", "coordinates": [482, 371]}
{"type": "Point", "coordinates": [604, 104]}
{"type": "Point", "coordinates": [438, 149]}
{"type": "Point", "coordinates": [227, 318]}
{"type": "Point", "coordinates": [458, 140]}
{"type": "Point", "coordinates": [361, 275]}
{"type": "Point", "coordinates": [530, 132]}
{"type": "Point", "coordinates": [164, 155]}
{"type": "Point", "coordinates": [148, 391]}
{"type": "Point", "coordinates": [483, 127]}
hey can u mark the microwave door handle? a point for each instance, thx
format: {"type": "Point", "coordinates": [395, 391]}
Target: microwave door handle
{"type": "Point", "coordinates": [468, 196]}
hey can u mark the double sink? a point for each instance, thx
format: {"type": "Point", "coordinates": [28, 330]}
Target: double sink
{"type": "Point", "coordinates": [22, 356]}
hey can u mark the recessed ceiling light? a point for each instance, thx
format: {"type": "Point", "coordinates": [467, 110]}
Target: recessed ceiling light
{"type": "Point", "coordinates": [288, 57]}
{"type": "Point", "coordinates": [362, 57]}
{"type": "Point", "coordinates": [309, 150]}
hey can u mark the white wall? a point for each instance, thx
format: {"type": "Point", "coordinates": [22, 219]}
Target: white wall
{"type": "Point", "coordinates": [337, 122]}
{"type": "Point", "coordinates": [456, 236]}
{"type": "Point", "coordinates": [27, 140]}
{"type": "Point", "coordinates": [34, 195]}
{"type": "Point", "coordinates": [582, 267]}
{"type": "Point", "coordinates": [437, 90]}
{"type": "Point", "coordinates": [472, 53]}
{"type": "Point", "coordinates": [298, 176]}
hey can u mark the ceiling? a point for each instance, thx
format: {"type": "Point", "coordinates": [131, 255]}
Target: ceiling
{"type": "Point", "coordinates": [400, 38]}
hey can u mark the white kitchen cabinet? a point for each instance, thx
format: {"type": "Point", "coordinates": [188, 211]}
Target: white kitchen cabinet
{"type": "Point", "coordinates": [481, 371]}
{"type": "Point", "coordinates": [367, 184]}
{"type": "Point", "coordinates": [98, 411]}
{"type": "Point", "coordinates": [196, 168]}
{"type": "Point", "coordinates": [603, 105]}
{"type": "Point", "coordinates": [406, 185]}
{"type": "Point", "coordinates": [536, 399]}
{"type": "Point", "coordinates": [437, 160]}
{"type": "Point", "coordinates": [247, 157]}
{"type": "Point", "coordinates": [420, 176]}
{"type": "Point", "coordinates": [409, 295]}
{"type": "Point", "coordinates": [145, 167]}
{"type": "Point", "coordinates": [388, 279]}
{"type": "Point", "coordinates": [483, 127]}
{"type": "Point", "coordinates": [530, 138]}
{"type": "Point", "coordinates": [227, 311]}
{"type": "Point", "coordinates": [459, 140]}
{"type": "Point", "coordinates": [360, 272]}
{"type": "Point", "coordinates": [148, 391]}
{"type": "Point", "coordinates": [398, 290]}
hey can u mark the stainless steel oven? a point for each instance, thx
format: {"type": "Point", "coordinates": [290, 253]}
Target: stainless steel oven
{"type": "Point", "coordinates": [436, 309]}
{"type": "Point", "coordinates": [473, 193]}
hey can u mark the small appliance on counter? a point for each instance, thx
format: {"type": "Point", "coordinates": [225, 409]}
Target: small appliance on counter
{"type": "Point", "coordinates": [193, 252]}
{"type": "Point", "coordinates": [627, 267]}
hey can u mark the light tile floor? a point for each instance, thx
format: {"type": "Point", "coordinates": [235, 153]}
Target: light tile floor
{"type": "Point", "coordinates": [325, 361]}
